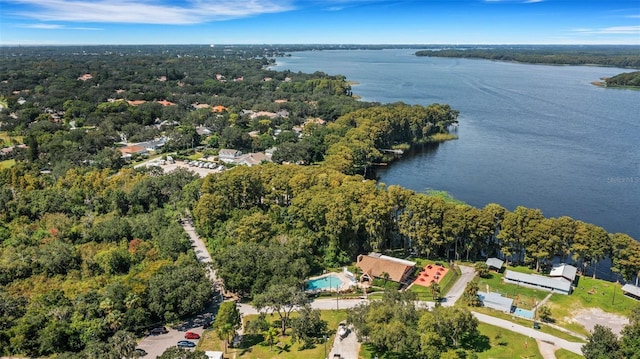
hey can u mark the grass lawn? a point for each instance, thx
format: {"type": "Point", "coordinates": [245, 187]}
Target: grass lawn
{"type": "Point", "coordinates": [527, 323]}
{"type": "Point", "coordinates": [507, 344]}
{"type": "Point", "coordinates": [255, 347]}
{"type": "Point", "coordinates": [7, 164]}
{"type": "Point", "coordinates": [501, 344]}
{"type": "Point", "coordinates": [589, 293]}
{"type": "Point", "coordinates": [565, 354]}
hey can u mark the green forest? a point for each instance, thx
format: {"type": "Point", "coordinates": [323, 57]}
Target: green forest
{"type": "Point", "coordinates": [601, 55]}
{"type": "Point", "coordinates": [627, 79]}
{"type": "Point", "coordinates": [92, 251]}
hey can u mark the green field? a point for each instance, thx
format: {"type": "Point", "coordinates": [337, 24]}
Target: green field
{"type": "Point", "coordinates": [507, 344]}
{"type": "Point", "coordinates": [498, 343]}
{"type": "Point", "coordinates": [255, 347]}
{"type": "Point", "coordinates": [590, 293]}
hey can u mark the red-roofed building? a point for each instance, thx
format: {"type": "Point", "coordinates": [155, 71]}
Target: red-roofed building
{"type": "Point", "coordinates": [375, 265]}
{"type": "Point", "coordinates": [129, 151]}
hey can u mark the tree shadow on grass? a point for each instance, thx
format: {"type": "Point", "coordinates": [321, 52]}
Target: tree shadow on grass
{"type": "Point", "coordinates": [281, 349]}
{"type": "Point", "coordinates": [249, 341]}
{"type": "Point", "coordinates": [479, 343]}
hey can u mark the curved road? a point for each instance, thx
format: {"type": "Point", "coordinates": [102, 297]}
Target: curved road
{"type": "Point", "coordinates": [155, 345]}
{"type": "Point", "coordinates": [530, 332]}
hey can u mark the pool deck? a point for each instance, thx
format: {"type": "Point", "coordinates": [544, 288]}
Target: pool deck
{"type": "Point", "coordinates": [347, 282]}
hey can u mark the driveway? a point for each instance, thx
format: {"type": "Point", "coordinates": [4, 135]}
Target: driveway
{"type": "Point", "coordinates": [348, 348]}
{"type": "Point", "coordinates": [456, 291]}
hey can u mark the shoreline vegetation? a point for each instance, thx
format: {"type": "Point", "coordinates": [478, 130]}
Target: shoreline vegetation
{"type": "Point", "coordinates": [98, 243]}
{"type": "Point", "coordinates": [609, 56]}
{"type": "Point", "coordinates": [627, 80]}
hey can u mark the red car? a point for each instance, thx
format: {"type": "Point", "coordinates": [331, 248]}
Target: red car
{"type": "Point", "coordinates": [191, 335]}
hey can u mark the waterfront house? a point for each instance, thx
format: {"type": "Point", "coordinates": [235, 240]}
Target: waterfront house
{"type": "Point", "coordinates": [564, 271]}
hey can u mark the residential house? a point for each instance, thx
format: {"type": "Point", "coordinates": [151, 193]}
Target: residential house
{"type": "Point", "coordinates": [85, 77]}
{"type": "Point", "coordinates": [129, 151]}
{"type": "Point", "coordinates": [564, 271]}
{"type": "Point", "coordinates": [252, 159]}
{"type": "Point", "coordinates": [229, 155]}
{"type": "Point", "coordinates": [166, 103]}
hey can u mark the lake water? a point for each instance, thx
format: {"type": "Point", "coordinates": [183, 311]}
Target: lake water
{"type": "Point", "coordinates": [532, 135]}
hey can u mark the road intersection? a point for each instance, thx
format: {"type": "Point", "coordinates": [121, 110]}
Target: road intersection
{"type": "Point", "coordinates": [155, 345]}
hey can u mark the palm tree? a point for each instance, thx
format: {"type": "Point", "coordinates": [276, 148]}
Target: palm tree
{"type": "Point", "coordinates": [225, 332]}
{"type": "Point", "coordinates": [270, 334]}
{"type": "Point", "coordinates": [386, 277]}
{"type": "Point", "coordinates": [435, 291]}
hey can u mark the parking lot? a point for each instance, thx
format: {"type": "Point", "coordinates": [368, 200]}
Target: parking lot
{"type": "Point", "coordinates": [155, 345]}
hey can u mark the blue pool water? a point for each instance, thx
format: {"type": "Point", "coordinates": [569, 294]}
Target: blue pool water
{"type": "Point", "coordinates": [523, 313]}
{"type": "Point", "coordinates": [324, 283]}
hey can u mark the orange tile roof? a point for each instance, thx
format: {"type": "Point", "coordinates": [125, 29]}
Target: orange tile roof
{"type": "Point", "coordinates": [132, 149]}
{"type": "Point", "coordinates": [166, 103]}
{"type": "Point", "coordinates": [218, 108]}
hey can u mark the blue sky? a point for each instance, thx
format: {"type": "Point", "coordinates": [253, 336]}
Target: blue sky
{"type": "Point", "coordinates": [65, 22]}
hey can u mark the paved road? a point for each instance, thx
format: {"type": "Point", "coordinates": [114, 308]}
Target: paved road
{"type": "Point", "coordinates": [530, 332]}
{"type": "Point", "coordinates": [348, 348]}
{"type": "Point", "coordinates": [456, 291]}
{"type": "Point", "coordinates": [155, 345]}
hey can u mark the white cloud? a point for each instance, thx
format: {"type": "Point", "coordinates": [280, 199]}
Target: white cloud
{"type": "Point", "coordinates": [625, 30]}
{"type": "Point", "coordinates": [58, 27]}
{"type": "Point", "coordinates": [146, 11]}
{"type": "Point", "coordinates": [44, 26]}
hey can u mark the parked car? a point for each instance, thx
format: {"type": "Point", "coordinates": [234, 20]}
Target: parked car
{"type": "Point", "coordinates": [158, 331]}
{"type": "Point", "coordinates": [208, 323]}
{"type": "Point", "coordinates": [191, 335]}
{"type": "Point", "coordinates": [186, 344]}
{"type": "Point", "coordinates": [139, 352]}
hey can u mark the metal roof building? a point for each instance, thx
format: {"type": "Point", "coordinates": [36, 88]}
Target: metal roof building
{"type": "Point", "coordinates": [556, 285]}
{"type": "Point", "coordinates": [565, 271]}
{"type": "Point", "coordinates": [496, 301]}
{"type": "Point", "coordinates": [631, 291]}
{"type": "Point", "coordinates": [494, 263]}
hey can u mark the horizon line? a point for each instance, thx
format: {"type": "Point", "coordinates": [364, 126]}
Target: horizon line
{"type": "Point", "coordinates": [213, 45]}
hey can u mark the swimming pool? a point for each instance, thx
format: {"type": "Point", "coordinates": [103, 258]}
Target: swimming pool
{"type": "Point", "coordinates": [324, 283]}
{"type": "Point", "coordinates": [524, 313]}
